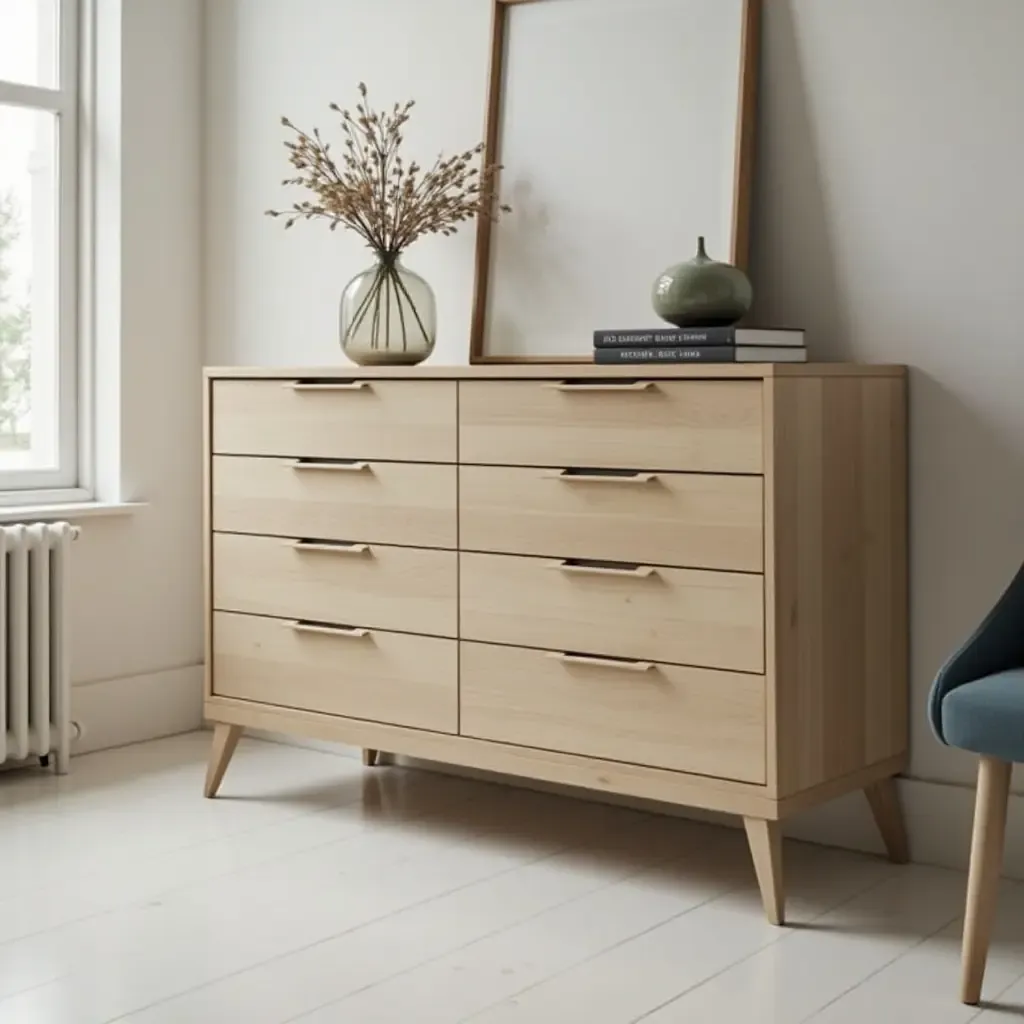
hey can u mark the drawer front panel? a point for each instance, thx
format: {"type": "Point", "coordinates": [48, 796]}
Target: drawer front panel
{"type": "Point", "coordinates": [680, 616]}
{"type": "Point", "coordinates": [664, 716]}
{"type": "Point", "coordinates": [693, 520]}
{"type": "Point", "coordinates": [379, 502]}
{"type": "Point", "coordinates": [378, 676]}
{"type": "Point", "coordinates": [697, 426]}
{"type": "Point", "coordinates": [411, 590]}
{"type": "Point", "coordinates": [367, 419]}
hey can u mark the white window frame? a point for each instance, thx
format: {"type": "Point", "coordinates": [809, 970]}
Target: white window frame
{"type": "Point", "coordinates": [31, 487]}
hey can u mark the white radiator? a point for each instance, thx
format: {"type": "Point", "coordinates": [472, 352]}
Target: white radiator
{"type": "Point", "coordinates": [35, 694]}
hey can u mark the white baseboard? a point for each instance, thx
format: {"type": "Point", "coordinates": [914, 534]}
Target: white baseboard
{"type": "Point", "coordinates": [116, 712]}
{"type": "Point", "coordinates": [939, 815]}
{"type": "Point", "coordinates": [940, 818]}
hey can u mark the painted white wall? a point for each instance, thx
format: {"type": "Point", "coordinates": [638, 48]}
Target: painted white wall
{"type": "Point", "coordinates": [272, 297]}
{"type": "Point", "coordinates": [137, 593]}
{"type": "Point", "coordinates": [888, 222]}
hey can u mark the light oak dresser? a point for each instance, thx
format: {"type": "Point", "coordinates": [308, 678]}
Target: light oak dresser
{"type": "Point", "coordinates": [681, 583]}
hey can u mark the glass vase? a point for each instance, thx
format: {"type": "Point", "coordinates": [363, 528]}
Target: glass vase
{"type": "Point", "coordinates": [388, 316]}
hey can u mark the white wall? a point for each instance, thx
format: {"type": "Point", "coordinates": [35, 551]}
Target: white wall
{"type": "Point", "coordinates": [889, 215]}
{"type": "Point", "coordinates": [137, 597]}
{"type": "Point", "coordinates": [889, 219]}
{"type": "Point", "coordinates": [272, 297]}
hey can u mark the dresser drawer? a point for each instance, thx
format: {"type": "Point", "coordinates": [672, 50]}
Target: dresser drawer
{"type": "Point", "coordinates": [411, 503]}
{"type": "Point", "coordinates": [664, 716]}
{"type": "Point", "coordinates": [695, 520]}
{"type": "Point", "coordinates": [707, 426]}
{"type": "Point", "coordinates": [684, 616]}
{"type": "Point", "coordinates": [412, 590]}
{"type": "Point", "coordinates": [361, 419]}
{"type": "Point", "coordinates": [382, 677]}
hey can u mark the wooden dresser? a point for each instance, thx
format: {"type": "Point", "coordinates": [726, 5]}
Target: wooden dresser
{"type": "Point", "coordinates": [681, 583]}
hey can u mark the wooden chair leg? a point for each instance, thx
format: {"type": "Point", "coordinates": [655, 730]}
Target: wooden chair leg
{"type": "Point", "coordinates": [225, 739]}
{"type": "Point", "coordinates": [983, 878]}
{"type": "Point", "coordinates": [884, 799]}
{"type": "Point", "coordinates": [370, 757]}
{"type": "Point", "coordinates": [765, 839]}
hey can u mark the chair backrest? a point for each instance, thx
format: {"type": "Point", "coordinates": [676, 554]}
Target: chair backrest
{"type": "Point", "coordinates": [995, 646]}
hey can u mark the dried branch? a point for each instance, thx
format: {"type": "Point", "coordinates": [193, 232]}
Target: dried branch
{"type": "Point", "coordinates": [371, 190]}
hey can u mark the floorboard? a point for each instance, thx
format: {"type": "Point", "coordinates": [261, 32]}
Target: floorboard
{"type": "Point", "coordinates": [315, 890]}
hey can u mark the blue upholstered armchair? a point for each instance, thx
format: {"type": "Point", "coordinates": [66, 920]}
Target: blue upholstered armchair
{"type": "Point", "coordinates": [977, 704]}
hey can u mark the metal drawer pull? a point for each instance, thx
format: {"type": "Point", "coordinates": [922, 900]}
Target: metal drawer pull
{"type": "Point", "coordinates": [599, 569]}
{"type": "Point", "coordinates": [349, 632]}
{"type": "Point", "coordinates": [330, 467]}
{"type": "Point", "coordinates": [328, 385]}
{"type": "Point", "coordinates": [598, 662]}
{"type": "Point", "coordinates": [331, 549]}
{"type": "Point", "coordinates": [569, 386]}
{"type": "Point", "coordinates": [573, 477]}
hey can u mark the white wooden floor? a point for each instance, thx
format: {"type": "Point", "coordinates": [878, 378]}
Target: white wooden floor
{"type": "Point", "coordinates": [315, 890]}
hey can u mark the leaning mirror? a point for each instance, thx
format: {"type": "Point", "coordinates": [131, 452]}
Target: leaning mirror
{"type": "Point", "coordinates": [625, 129]}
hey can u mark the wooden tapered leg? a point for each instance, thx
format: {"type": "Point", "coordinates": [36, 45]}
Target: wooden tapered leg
{"type": "Point", "coordinates": [986, 865]}
{"type": "Point", "coordinates": [884, 799]}
{"type": "Point", "coordinates": [765, 839]}
{"type": "Point", "coordinates": [225, 739]}
{"type": "Point", "coordinates": [370, 757]}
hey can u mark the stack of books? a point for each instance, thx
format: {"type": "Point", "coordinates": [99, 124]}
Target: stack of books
{"type": "Point", "coordinates": [701, 345]}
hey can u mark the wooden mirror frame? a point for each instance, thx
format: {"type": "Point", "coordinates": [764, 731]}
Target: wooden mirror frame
{"type": "Point", "coordinates": [742, 177]}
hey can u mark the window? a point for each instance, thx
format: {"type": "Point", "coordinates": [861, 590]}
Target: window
{"type": "Point", "coordinates": [38, 246]}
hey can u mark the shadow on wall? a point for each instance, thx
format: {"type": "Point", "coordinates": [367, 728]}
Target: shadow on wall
{"type": "Point", "coordinates": [967, 541]}
{"type": "Point", "coordinates": [219, 178]}
{"type": "Point", "coordinates": [791, 233]}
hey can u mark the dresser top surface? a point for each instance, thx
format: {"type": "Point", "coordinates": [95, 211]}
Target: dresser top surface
{"type": "Point", "coordinates": [548, 371]}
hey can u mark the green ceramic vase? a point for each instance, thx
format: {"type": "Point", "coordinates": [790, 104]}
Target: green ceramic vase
{"type": "Point", "coordinates": [702, 292]}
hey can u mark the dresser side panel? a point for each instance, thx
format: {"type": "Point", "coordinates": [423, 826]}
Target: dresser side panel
{"type": "Point", "coordinates": [837, 516]}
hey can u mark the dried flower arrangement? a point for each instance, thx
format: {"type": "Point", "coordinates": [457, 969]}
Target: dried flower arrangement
{"type": "Point", "coordinates": [390, 203]}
